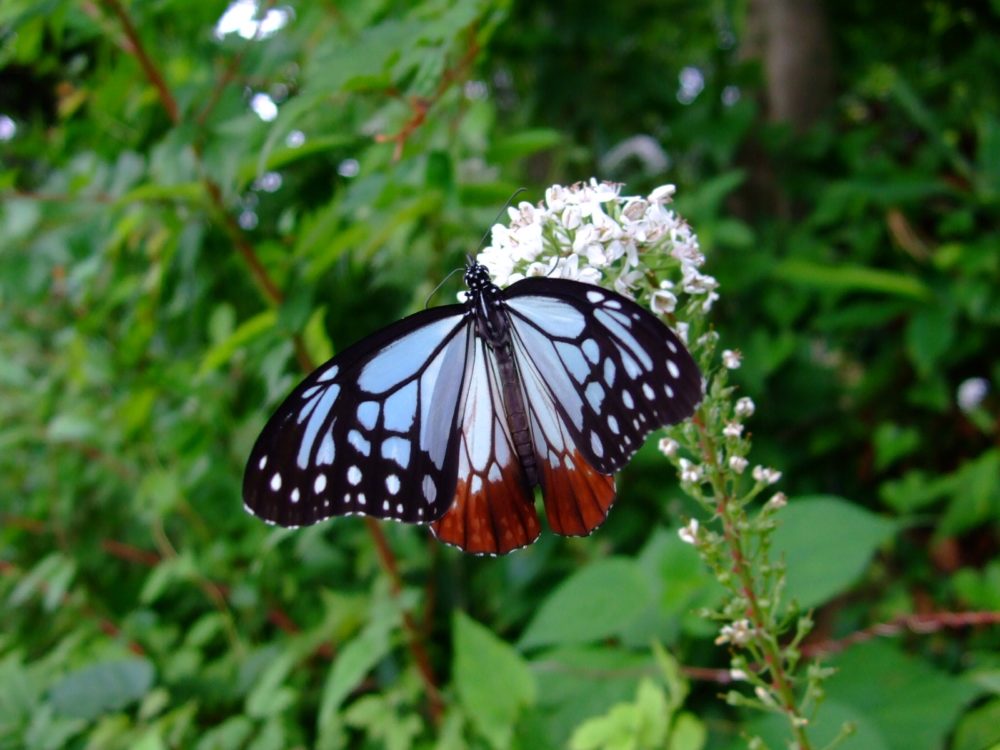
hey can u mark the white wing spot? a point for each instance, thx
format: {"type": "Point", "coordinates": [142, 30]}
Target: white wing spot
{"type": "Point", "coordinates": [430, 491]}
{"type": "Point", "coordinates": [329, 374]}
{"type": "Point", "coordinates": [595, 297]}
{"type": "Point", "coordinates": [263, 463]}
{"type": "Point", "coordinates": [672, 346]}
{"type": "Point", "coordinates": [669, 391]}
{"type": "Point", "coordinates": [361, 498]}
{"type": "Point", "coordinates": [613, 424]}
{"type": "Point", "coordinates": [420, 512]}
{"type": "Point", "coordinates": [385, 505]}
{"type": "Point", "coordinates": [276, 482]}
{"type": "Point", "coordinates": [627, 400]}
{"type": "Point", "coordinates": [596, 445]}
{"type": "Point", "coordinates": [477, 484]}
{"type": "Point", "coordinates": [613, 304]}
{"type": "Point", "coordinates": [295, 495]}
{"type": "Point", "coordinates": [320, 484]}
{"type": "Point", "coordinates": [591, 351]}
{"type": "Point", "coordinates": [399, 508]}
{"type": "Point", "coordinates": [609, 372]}
{"type": "Point", "coordinates": [392, 484]}
{"type": "Point", "coordinates": [354, 475]}
{"type": "Point", "coordinates": [647, 391]}
{"type": "Point", "coordinates": [673, 369]}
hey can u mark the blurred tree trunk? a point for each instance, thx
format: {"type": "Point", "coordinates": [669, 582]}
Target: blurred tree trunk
{"type": "Point", "coordinates": [791, 40]}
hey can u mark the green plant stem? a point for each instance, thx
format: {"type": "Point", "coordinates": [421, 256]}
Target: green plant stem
{"type": "Point", "coordinates": [730, 513]}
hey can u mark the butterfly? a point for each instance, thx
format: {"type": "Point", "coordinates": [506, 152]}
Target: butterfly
{"type": "Point", "coordinates": [452, 416]}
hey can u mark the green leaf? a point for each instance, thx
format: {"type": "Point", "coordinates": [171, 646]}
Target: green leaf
{"type": "Point", "coordinates": [910, 703]}
{"type": "Point", "coordinates": [354, 661]}
{"type": "Point", "coordinates": [687, 733]}
{"type": "Point", "coordinates": [848, 278]}
{"type": "Point", "coordinates": [826, 543]}
{"type": "Point", "coordinates": [247, 331]}
{"type": "Point", "coordinates": [270, 696]}
{"type": "Point", "coordinates": [639, 724]}
{"type": "Point", "coordinates": [928, 336]}
{"type": "Point", "coordinates": [493, 682]}
{"type": "Point", "coordinates": [102, 687]}
{"type": "Point", "coordinates": [979, 728]}
{"type": "Point", "coordinates": [595, 602]}
{"type": "Point", "coordinates": [524, 143]}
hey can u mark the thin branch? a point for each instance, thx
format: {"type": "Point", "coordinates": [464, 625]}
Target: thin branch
{"type": "Point", "coordinates": [420, 106]}
{"type": "Point", "coordinates": [931, 622]}
{"type": "Point", "coordinates": [136, 47]}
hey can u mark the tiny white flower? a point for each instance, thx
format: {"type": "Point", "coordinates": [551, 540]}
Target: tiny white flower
{"type": "Point", "coordinates": [745, 407]}
{"type": "Point", "coordinates": [662, 302]}
{"type": "Point", "coordinates": [710, 299]}
{"type": "Point", "coordinates": [738, 464]}
{"type": "Point", "coordinates": [738, 675]}
{"type": "Point", "coordinates": [732, 430]}
{"type": "Point", "coordinates": [778, 501]}
{"type": "Point", "coordinates": [738, 633]}
{"type": "Point", "coordinates": [971, 393]}
{"type": "Point", "coordinates": [690, 472]}
{"type": "Point", "coordinates": [682, 330]}
{"type": "Point", "coordinates": [668, 447]}
{"type": "Point", "coordinates": [663, 194]}
{"type": "Point", "coordinates": [571, 217]}
{"type": "Point", "coordinates": [689, 533]}
{"type": "Point", "coordinates": [766, 474]}
{"type": "Point", "coordinates": [731, 359]}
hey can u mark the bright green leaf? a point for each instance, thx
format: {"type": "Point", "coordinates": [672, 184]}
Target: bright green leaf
{"type": "Point", "coordinates": [826, 543]}
{"type": "Point", "coordinates": [482, 664]}
{"type": "Point", "coordinates": [595, 602]}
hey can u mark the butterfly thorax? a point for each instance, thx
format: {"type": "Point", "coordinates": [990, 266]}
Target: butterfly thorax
{"type": "Point", "coordinates": [485, 301]}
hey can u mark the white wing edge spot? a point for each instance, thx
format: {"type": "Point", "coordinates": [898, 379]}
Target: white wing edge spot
{"type": "Point", "coordinates": [276, 482]}
{"type": "Point", "coordinates": [354, 475]}
{"type": "Point", "coordinates": [594, 297]}
{"type": "Point", "coordinates": [329, 374]}
{"type": "Point", "coordinates": [262, 463]}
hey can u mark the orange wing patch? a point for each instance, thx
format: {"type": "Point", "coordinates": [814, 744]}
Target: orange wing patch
{"type": "Point", "coordinates": [490, 517]}
{"type": "Point", "coordinates": [577, 496]}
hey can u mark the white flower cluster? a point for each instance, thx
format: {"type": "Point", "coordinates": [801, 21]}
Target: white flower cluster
{"type": "Point", "coordinates": [589, 232]}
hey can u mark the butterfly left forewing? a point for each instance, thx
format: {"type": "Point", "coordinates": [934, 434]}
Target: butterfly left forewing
{"type": "Point", "coordinates": [370, 432]}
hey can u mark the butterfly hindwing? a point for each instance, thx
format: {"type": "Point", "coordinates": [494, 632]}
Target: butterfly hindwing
{"type": "Point", "coordinates": [493, 511]}
{"type": "Point", "coordinates": [372, 431]}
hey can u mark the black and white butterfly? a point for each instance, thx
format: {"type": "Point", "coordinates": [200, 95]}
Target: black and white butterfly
{"type": "Point", "coordinates": [452, 416]}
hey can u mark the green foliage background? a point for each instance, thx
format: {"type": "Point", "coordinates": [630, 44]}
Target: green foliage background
{"type": "Point", "coordinates": [168, 260]}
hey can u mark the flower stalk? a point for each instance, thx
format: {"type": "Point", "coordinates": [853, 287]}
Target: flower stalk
{"type": "Point", "coordinates": [642, 249]}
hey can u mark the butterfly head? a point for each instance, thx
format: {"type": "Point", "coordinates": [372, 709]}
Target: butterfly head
{"type": "Point", "coordinates": [477, 276]}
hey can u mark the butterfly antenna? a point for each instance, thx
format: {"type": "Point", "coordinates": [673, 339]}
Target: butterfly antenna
{"type": "Point", "coordinates": [499, 214]}
{"type": "Point", "coordinates": [434, 291]}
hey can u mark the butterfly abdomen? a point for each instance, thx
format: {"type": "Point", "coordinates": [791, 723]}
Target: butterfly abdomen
{"type": "Point", "coordinates": [517, 417]}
